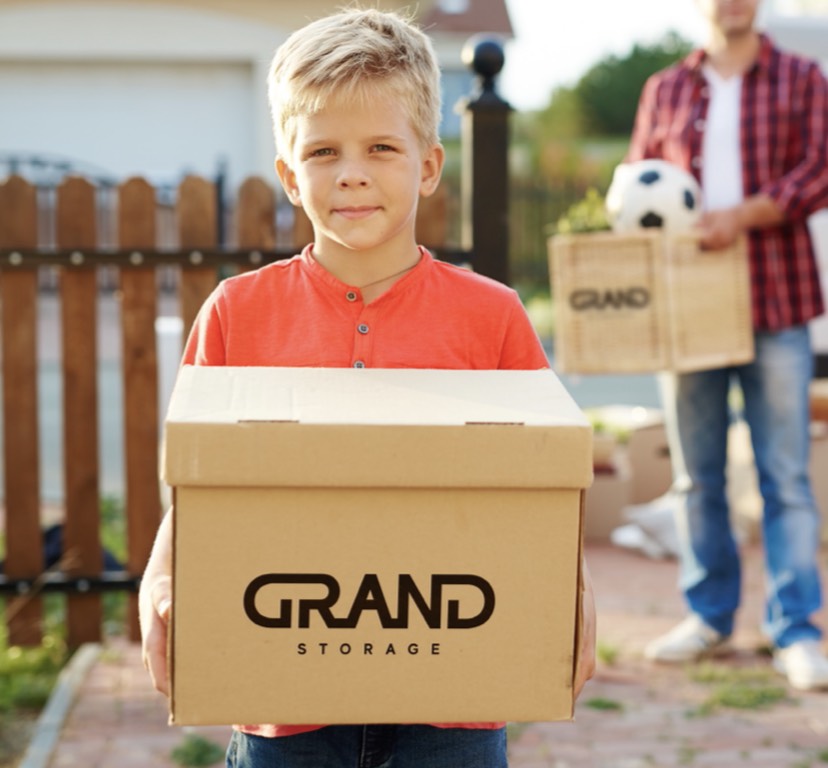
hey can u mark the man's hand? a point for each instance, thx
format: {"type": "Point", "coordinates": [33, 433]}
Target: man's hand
{"type": "Point", "coordinates": [723, 227]}
{"type": "Point", "coordinates": [720, 229]}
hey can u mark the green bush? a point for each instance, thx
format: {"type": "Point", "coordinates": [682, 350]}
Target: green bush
{"type": "Point", "coordinates": [27, 675]}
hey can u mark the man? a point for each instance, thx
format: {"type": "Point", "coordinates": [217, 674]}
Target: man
{"type": "Point", "coordinates": [751, 123]}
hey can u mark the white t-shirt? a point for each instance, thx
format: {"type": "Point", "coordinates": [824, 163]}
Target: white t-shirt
{"type": "Point", "coordinates": [721, 145]}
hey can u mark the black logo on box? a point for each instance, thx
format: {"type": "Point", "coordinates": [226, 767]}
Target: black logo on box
{"type": "Point", "coordinates": [445, 603]}
{"type": "Point", "coordinates": [635, 297]}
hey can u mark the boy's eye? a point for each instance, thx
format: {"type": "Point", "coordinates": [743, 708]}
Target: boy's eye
{"type": "Point", "coordinates": [321, 152]}
{"type": "Point", "coordinates": [383, 148]}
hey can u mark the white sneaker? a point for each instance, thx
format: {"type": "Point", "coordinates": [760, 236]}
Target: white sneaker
{"type": "Point", "coordinates": [631, 537]}
{"type": "Point", "coordinates": [689, 641]}
{"type": "Point", "coordinates": [657, 519]}
{"type": "Point", "coordinates": [804, 665]}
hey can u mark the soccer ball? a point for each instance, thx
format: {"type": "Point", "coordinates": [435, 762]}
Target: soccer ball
{"type": "Point", "coordinates": [653, 194]}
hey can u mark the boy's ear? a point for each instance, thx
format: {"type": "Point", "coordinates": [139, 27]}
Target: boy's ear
{"type": "Point", "coordinates": [432, 169]}
{"type": "Point", "coordinates": [288, 180]}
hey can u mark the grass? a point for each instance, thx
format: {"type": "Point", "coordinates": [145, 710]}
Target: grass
{"type": "Point", "coordinates": [197, 751]}
{"type": "Point", "coordinates": [603, 704]}
{"type": "Point", "coordinates": [607, 653]}
{"type": "Point", "coordinates": [748, 688]}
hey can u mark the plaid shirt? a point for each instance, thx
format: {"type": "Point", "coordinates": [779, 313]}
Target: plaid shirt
{"type": "Point", "coordinates": [784, 138]}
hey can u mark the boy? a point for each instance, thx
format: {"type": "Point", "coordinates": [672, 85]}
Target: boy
{"type": "Point", "coordinates": [355, 102]}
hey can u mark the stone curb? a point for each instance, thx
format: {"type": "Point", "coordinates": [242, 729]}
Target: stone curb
{"type": "Point", "coordinates": [53, 716]}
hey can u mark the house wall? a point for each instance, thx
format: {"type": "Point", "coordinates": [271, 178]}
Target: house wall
{"type": "Point", "coordinates": [151, 87]}
{"type": "Point", "coordinates": [276, 13]}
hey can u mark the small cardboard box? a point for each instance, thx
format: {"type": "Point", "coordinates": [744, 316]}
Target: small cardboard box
{"type": "Point", "coordinates": [651, 467]}
{"type": "Point", "coordinates": [605, 502]}
{"type": "Point", "coordinates": [819, 400]}
{"type": "Point", "coordinates": [642, 449]}
{"type": "Point", "coordinates": [648, 302]}
{"type": "Point", "coordinates": [370, 546]}
{"type": "Point", "coordinates": [819, 478]}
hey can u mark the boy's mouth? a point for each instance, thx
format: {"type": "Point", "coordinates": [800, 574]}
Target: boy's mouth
{"type": "Point", "coordinates": [356, 211]}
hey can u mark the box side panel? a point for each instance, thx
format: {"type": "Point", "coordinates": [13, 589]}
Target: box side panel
{"type": "Point", "coordinates": [711, 322]}
{"type": "Point", "coordinates": [375, 606]}
{"type": "Point", "coordinates": [609, 303]}
{"type": "Point", "coordinates": [480, 455]}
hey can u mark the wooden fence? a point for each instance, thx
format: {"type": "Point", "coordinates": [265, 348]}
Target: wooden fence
{"type": "Point", "coordinates": [75, 261]}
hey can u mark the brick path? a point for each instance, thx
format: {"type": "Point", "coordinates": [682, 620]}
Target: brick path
{"type": "Point", "coordinates": [650, 716]}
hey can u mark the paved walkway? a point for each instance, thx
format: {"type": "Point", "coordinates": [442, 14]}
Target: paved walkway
{"type": "Point", "coordinates": [632, 715]}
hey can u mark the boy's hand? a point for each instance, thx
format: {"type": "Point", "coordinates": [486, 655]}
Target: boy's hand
{"type": "Point", "coordinates": [154, 604]}
{"type": "Point", "coordinates": [585, 664]}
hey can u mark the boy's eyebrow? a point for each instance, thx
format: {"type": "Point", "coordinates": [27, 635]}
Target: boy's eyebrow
{"type": "Point", "coordinates": [385, 138]}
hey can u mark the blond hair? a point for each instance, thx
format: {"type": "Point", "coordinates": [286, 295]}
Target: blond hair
{"type": "Point", "coordinates": [347, 55]}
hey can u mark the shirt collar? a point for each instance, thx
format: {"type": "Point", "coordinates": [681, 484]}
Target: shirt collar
{"type": "Point", "coordinates": [696, 59]}
{"type": "Point", "coordinates": [313, 267]}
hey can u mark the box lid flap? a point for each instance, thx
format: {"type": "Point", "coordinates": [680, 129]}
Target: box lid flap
{"type": "Point", "coordinates": [339, 426]}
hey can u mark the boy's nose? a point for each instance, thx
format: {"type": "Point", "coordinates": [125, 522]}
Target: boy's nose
{"type": "Point", "coordinates": [353, 175]}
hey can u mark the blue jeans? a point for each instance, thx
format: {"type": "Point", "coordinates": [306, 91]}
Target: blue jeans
{"type": "Point", "coordinates": [372, 746]}
{"type": "Point", "coordinates": [776, 409]}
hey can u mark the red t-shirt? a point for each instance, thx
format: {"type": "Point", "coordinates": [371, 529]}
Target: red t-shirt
{"type": "Point", "coordinates": [295, 313]}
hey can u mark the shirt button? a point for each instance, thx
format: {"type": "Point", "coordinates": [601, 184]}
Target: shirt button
{"type": "Point", "coordinates": [359, 364]}
{"type": "Point", "coordinates": [362, 328]}
{"type": "Point", "coordinates": [699, 125]}
{"type": "Point", "coordinates": [351, 296]}
{"type": "Point", "coordinates": [696, 162]}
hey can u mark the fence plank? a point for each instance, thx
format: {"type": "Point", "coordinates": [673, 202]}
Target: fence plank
{"type": "Point", "coordinates": [76, 228]}
{"type": "Point", "coordinates": [255, 214]}
{"type": "Point", "coordinates": [136, 226]}
{"type": "Point", "coordinates": [18, 314]}
{"type": "Point", "coordinates": [432, 218]}
{"type": "Point", "coordinates": [302, 229]}
{"type": "Point", "coordinates": [197, 228]}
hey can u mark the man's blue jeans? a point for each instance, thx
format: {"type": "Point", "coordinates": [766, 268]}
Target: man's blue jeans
{"type": "Point", "coordinates": [776, 409]}
{"type": "Point", "coordinates": [372, 746]}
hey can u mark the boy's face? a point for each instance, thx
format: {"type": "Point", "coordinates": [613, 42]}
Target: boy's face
{"type": "Point", "coordinates": [358, 170]}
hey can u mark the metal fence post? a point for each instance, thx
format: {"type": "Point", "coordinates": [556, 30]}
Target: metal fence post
{"type": "Point", "coordinates": [485, 172]}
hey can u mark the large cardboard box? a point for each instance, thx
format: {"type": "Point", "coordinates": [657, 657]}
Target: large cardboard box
{"type": "Point", "coordinates": [648, 302]}
{"type": "Point", "coordinates": [357, 546]}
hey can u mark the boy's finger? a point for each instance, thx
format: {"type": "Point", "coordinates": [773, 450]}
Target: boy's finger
{"type": "Point", "coordinates": [161, 596]}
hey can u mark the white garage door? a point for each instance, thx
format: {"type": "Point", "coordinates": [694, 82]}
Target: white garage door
{"type": "Point", "coordinates": [156, 119]}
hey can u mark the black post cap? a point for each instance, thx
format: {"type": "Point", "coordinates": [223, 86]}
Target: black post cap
{"type": "Point", "coordinates": [484, 55]}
